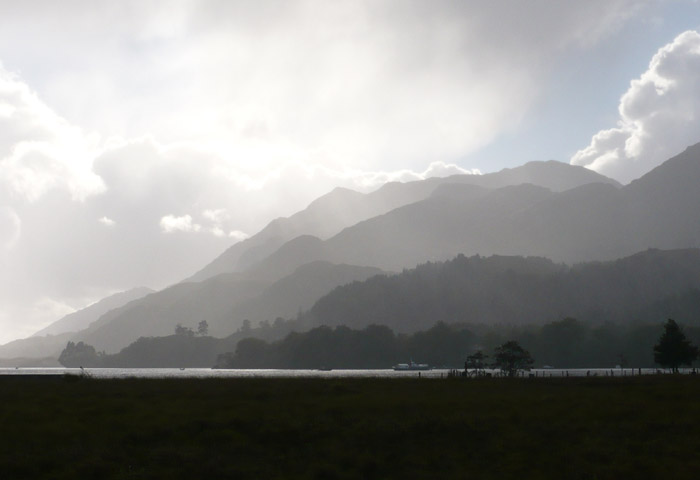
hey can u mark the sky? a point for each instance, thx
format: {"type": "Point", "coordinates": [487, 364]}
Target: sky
{"type": "Point", "coordinates": [140, 139]}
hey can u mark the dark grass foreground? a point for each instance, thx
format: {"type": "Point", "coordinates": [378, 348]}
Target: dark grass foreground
{"type": "Point", "coordinates": [646, 427]}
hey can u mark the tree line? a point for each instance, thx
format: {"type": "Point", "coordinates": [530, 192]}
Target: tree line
{"type": "Point", "coordinates": [568, 343]}
{"type": "Point", "coordinates": [672, 350]}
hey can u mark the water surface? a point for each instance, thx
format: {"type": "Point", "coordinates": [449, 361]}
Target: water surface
{"type": "Point", "coordinates": [291, 373]}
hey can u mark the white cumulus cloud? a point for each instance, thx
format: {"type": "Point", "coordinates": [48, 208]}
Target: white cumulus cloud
{"type": "Point", "coordinates": [216, 215]}
{"type": "Point", "coordinates": [367, 180]}
{"type": "Point", "coordinates": [171, 223]}
{"type": "Point", "coordinates": [39, 150]}
{"type": "Point", "coordinates": [659, 115]}
{"type": "Point", "coordinates": [237, 235]}
{"type": "Point", "coordinates": [107, 222]}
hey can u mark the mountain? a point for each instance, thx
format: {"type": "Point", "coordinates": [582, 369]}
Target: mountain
{"type": "Point", "coordinates": [341, 208]}
{"type": "Point", "coordinates": [299, 291]}
{"type": "Point", "coordinates": [35, 347]}
{"type": "Point", "coordinates": [448, 308]}
{"type": "Point", "coordinates": [158, 313]}
{"type": "Point", "coordinates": [544, 209]}
{"type": "Point", "coordinates": [590, 222]}
{"type": "Point", "coordinates": [81, 319]}
{"type": "Point", "coordinates": [665, 202]}
{"type": "Point", "coordinates": [323, 217]}
{"type": "Point", "coordinates": [594, 221]}
{"type": "Point", "coordinates": [51, 340]}
{"type": "Point", "coordinates": [455, 219]}
{"type": "Point", "coordinates": [519, 291]}
{"type": "Point", "coordinates": [224, 301]}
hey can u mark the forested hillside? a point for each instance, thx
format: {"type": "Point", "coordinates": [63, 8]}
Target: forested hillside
{"type": "Point", "coordinates": [565, 343]}
{"type": "Point", "coordinates": [648, 287]}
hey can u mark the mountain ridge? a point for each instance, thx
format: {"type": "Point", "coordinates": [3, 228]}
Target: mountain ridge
{"type": "Point", "coordinates": [312, 221]}
{"type": "Point", "coordinates": [592, 221]}
{"type": "Point", "coordinates": [540, 209]}
{"type": "Point", "coordinates": [82, 318]}
{"type": "Point", "coordinates": [52, 339]}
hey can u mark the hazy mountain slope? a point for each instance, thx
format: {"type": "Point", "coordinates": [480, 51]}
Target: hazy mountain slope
{"type": "Point", "coordinates": [81, 319]}
{"type": "Point", "coordinates": [342, 208]}
{"type": "Point", "coordinates": [585, 223]}
{"type": "Point", "coordinates": [52, 339]}
{"type": "Point", "coordinates": [517, 290]}
{"type": "Point", "coordinates": [288, 258]}
{"type": "Point", "coordinates": [158, 314]}
{"type": "Point", "coordinates": [323, 217]}
{"type": "Point", "coordinates": [300, 290]}
{"type": "Point", "coordinates": [594, 221]}
{"type": "Point", "coordinates": [36, 347]}
{"type": "Point", "coordinates": [552, 175]}
{"type": "Point", "coordinates": [223, 301]}
{"type": "Point", "coordinates": [659, 210]}
{"type": "Point", "coordinates": [666, 202]}
{"type": "Point", "coordinates": [591, 222]}
{"type": "Point", "coordinates": [455, 220]}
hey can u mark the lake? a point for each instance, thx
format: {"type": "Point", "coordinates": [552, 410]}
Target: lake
{"type": "Point", "coordinates": [290, 373]}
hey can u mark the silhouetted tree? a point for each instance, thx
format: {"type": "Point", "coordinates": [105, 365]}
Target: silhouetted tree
{"type": "Point", "coordinates": [80, 354]}
{"type": "Point", "coordinates": [511, 357]}
{"type": "Point", "coordinates": [673, 349]}
{"type": "Point", "coordinates": [203, 328]}
{"type": "Point", "coordinates": [245, 326]}
{"type": "Point", "coordinates": [250, 353]}
{"type": "Point", "coordinates": [441, 344]}
{"type": "Point", "coordinates": [564, 341]}
{"type": "Point", "coordinates": [180, 330]}
{"type": "Point", "coordinates": [476, 362]}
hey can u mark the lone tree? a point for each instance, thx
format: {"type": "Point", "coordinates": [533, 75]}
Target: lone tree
{"type": "Point", "coordinates": [80, 354]}
{"type": "Point", "coordinates": [673, 349]}
{"type": "Point", "coordinates": [475, 362]}
{"type": "Point", "coordinates": [183, 331]}
{"type": "Point", "coordinates": [511, 357]}
{"type": "Point", "coordinates": [203, 328]}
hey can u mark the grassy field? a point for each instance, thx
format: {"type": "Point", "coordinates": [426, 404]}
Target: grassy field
{"type": "Point", "coordinates": [588, 428]}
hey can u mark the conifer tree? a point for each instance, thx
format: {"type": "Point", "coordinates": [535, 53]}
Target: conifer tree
{"type": "Point", "coordinates": [673, 349]}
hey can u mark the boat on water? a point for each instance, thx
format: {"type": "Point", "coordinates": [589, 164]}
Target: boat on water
{"type": "Point", "coordinates": [412, 366]}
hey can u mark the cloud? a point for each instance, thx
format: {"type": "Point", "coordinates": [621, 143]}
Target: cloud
{"type": "Point", "coordinates": [369, 180]}
{"type": "Point", "coordinates": [237, 235]}
{"type": "Point", "coordinates": [659, 115]}
{"type": "Point", "coordinates": [171, 223]}
{"type": "Point", "coordinates": [216, 215]}
{"type": "Point", "coordinates": [371, 84]}
{"type": "Point", "coordinates": [40, 151]}
{"type": "Point", "coordinates": [10, 228]}
{"type": "Point", "coordinates": [442, 169]}
{"type": "Point", "coordinates": [107, 222]}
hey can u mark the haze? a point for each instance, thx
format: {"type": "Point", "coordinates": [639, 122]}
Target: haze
{"type": "Point", "coordinates": [139, 140]}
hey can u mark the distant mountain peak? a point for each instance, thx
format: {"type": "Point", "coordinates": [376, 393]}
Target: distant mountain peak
{"type": "Point", "coordinates": [681, 171]}
{"type": "Point", "coordinates": [343, 208]}
{"type": "Point", "coordinates": [80, 319]}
